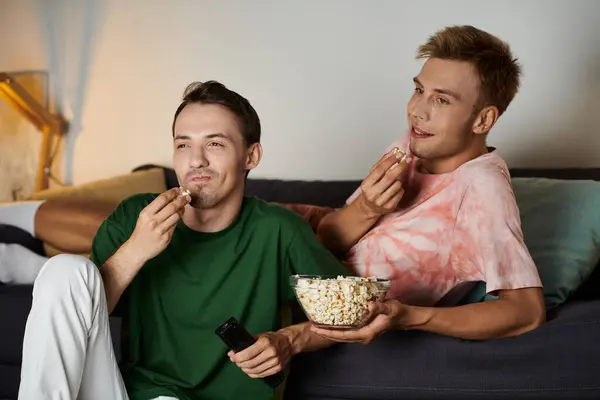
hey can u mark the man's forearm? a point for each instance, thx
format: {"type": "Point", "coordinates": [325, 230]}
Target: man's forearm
{"type": "Point", "coordinates": [303, 340]}
{"type": "Point", "coordinates": [117, 273]}
{"type": "Point", "coordinates": [342, 229]}
{"type": "Point", "coordinates": [479, 321]}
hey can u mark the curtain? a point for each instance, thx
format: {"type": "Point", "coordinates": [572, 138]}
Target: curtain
{"type": "Point", "coordinates": [69, 32]}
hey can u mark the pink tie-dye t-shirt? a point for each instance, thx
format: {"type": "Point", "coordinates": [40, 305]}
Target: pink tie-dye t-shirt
{"type": "Point", "coordinates": [449, 229]}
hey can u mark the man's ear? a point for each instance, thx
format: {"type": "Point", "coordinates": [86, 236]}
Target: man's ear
{"type": "Point", "coordinates": [486, 119]}
{"type": "Point", "coordinates": [253, 156]}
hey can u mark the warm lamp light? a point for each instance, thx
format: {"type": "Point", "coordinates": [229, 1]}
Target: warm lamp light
{"type": "Point", "coordinates": [49, 124]}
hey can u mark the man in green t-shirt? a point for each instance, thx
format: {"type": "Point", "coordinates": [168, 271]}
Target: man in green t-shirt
{"type": "Point", "coordinates": [176, 265]}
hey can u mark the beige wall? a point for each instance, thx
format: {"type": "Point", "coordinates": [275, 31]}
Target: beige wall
{"type": "Point", "coordinates": [322, 76]}
{"type": "Point", "coordinates": [19, 151]}
{"type": "Point", "coordinates": [20, 49]}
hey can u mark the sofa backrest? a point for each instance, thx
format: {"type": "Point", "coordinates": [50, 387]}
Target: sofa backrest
{"type": "Point", "coordinates": [334, 194]}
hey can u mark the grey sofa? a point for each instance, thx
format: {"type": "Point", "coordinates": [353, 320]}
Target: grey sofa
{"type": "Point", "coordinates": [560, 360]}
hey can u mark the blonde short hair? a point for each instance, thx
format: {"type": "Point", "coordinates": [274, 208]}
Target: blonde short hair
{"type": "Point", "coordinates": [492, 58]}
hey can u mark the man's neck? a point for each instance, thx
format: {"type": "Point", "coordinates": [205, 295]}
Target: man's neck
{"type": "Point", "coordinates": [213, 219]}
{"type": "Point", "coordinates": [446, 165]}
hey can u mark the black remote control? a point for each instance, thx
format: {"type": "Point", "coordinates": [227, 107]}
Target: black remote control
{"type": "Point", "coordinates": [237, 338]}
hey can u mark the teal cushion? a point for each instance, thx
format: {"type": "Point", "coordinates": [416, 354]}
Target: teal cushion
{"type": "Point", "coordinates": [561, 225]}
{"type": "Point", "coordinates": [476, 295]}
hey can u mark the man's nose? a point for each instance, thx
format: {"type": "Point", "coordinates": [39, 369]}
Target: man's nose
{"type": "Point", "coordinates": [419, 109]}
{"type": "Point", "coordinates": [198, 159]}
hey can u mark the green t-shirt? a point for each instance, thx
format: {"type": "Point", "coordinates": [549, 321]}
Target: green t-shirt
{"type": "Point", "coordinates": [180, 297]}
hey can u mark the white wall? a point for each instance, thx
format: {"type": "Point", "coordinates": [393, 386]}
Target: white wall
{"type": "Point", "coordinates": [330, 79]}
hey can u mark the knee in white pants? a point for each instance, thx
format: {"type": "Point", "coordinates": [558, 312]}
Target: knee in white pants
{"type": "Point", "coordinates": [64, 272]}
{"type": "Point", "coordinates": [67, 346]}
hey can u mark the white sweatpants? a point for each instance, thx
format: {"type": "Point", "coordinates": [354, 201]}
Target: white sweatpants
{"type": "Point", "coordinates": [67, 349]}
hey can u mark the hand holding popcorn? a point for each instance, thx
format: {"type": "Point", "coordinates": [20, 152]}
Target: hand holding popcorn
{"type": "Point", "coordinates": [383, 316]}
{"type": "Point", "coordinates": [156, 224]}
{"type": "Point", "coordinates": [381, 191]}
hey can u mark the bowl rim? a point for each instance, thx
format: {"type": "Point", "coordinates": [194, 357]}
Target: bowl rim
{"type": "Point", "coordinates": [330, 276]}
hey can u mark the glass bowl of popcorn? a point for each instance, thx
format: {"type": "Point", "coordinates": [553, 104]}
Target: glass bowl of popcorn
{"type": "Point", "coordinates": [337, 302]}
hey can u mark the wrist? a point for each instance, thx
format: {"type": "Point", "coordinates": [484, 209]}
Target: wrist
{"type": "Point", "coordinates": [293, 337]}
{"type": "Point", "coordinates": [413, 317]}
{"type": "Point", "coordinates": [364, 210]}
{"type": "Point", "coordinates": [130, 256]}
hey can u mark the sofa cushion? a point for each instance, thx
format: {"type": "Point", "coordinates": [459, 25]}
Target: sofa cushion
{"type": "Point", "coordinates": [561, 226]}
{"type": "Point", "coordinates": [421, 365]}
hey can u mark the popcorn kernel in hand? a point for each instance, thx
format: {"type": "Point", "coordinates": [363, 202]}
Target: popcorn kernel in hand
{"type": "Point", "coordinates": [184, 192]}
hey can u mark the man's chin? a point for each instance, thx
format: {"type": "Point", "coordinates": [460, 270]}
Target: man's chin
{"type": "Point", "coordinates": [425, 151]}
{"type": "Point", "coordinates": [417, 150]}
{"type": "Point", "coordinates": [202, 201]}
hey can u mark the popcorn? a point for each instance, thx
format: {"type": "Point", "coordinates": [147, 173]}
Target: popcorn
{"type": "Point", "coordinates": [183, 191]}
{"type": "Point", "coordinates": [401, 155]}
{"type": "Point", "coordinates": [341, 301]}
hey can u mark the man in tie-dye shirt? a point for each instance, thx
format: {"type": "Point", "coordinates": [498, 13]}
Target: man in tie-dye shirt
{"type": "Point", "coordinates": [437, 212]}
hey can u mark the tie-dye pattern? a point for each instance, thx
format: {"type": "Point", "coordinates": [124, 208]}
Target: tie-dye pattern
{"type": "Point", "coordinates": [452, 228]}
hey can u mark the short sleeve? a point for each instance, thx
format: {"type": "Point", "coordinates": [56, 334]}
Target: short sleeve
{"type": "Point", "coordinates": [307, 256]}
{"type": "Point", "coordinates": [118, 227]}
{"type": "Point", "coordinates": [488, 237]}
{"type": "Point", "coordinates": [401, 143]}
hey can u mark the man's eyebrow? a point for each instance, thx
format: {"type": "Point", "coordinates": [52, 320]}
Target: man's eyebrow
{"type": "Point", "coordinates": [210, 136]}
{"type": "Point", "coordinates": [440, 91]}
{"type": "Point", "coordinates": [218, 135]}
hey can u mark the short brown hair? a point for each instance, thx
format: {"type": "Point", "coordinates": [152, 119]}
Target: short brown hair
{"type": "Point", "coordinates": [213, 92]}
{"type": "Point", "coordinates": [499, 72]}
